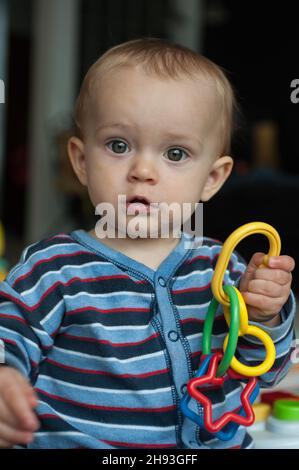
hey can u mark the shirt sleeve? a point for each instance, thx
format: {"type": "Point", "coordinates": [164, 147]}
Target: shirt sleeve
{"type": "Point", "coordinates": [31, 310]}
{"type": "Point", "coordinates": [250, 350]}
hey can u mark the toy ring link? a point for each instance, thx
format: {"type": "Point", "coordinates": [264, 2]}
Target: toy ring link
{"type": "Point", "coordinates": [221, 296]}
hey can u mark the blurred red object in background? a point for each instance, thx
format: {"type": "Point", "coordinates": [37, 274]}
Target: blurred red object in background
{"type": "Point", "coordinates": [271, 397]}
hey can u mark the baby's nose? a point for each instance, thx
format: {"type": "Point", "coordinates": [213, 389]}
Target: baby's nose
{"type": "Point", "coordinates": [143, 168]}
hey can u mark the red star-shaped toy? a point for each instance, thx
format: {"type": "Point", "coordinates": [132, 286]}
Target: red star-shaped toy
{"type": "Point", "coordinates": [210, 379]}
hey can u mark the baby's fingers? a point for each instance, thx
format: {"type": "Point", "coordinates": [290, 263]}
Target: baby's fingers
{"type": "Point", "coordinates": [19, 404]}
{"type": "Point", "coordinates": [5, 444]}
{"type": "Point", "coordinates": [285, 262]}
{"type": "Point", "coordinates": [8, 417]}
{"type": "Point", "coordinates": [14, 436]}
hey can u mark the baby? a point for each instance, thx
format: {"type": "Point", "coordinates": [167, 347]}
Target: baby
{"type": "Point", "coordinates": [102, 330]}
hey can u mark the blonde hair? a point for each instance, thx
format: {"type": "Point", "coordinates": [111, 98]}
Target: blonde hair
{"type": "Point", "coordinates": [162, 59]}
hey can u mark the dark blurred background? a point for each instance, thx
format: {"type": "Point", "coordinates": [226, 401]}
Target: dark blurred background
{"type": "Point", "coordinates": [46, 48]}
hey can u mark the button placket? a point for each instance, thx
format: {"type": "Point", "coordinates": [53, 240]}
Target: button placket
{"type": "Point", "coordinates": [174, 345]}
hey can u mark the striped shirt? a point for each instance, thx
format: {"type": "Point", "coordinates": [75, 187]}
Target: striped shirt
{"type": "Point", "coordinates": [109, 344]}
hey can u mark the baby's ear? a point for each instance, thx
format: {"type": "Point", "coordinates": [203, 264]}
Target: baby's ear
{"type": "Point", "coordinates": [76, 153]}
{"type": "Point", "coordinates": [219, 173]}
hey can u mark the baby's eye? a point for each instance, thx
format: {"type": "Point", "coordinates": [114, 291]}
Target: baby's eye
{"type": "Point", "coordinates": [175, 154]}
{"type": "Point", "coordinates": [117, 146]}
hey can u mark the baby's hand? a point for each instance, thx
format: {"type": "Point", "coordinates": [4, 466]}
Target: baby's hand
{"type": "Point", "coordinates": [17, 401]}
{"type": "Point", "coordinates": [266, 290]}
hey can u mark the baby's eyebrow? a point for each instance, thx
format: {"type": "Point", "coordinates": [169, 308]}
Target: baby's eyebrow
{"type": "Point", "coordinates": [114, 124]}
{"type": "Point", "coordinates": [185, 137]}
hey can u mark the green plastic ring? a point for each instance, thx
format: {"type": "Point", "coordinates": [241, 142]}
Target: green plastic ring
{"type": "Point", "coordinates": [287, 410]}
{"type": "Point", "coordinates": [233, 329]}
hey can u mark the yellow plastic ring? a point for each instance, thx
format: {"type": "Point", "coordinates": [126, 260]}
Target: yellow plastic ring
{"type": "Point", "coordinates": [254, 331]}
{"type": "Point", "coordinates": [228, 247]}
{"type": "Point", "coordinates": [254, 371]}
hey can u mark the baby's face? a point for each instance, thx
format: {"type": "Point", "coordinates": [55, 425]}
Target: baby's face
{"type": "Point", "coordinates": [150, 137]}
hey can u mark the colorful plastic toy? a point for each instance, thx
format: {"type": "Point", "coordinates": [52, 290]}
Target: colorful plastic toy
{"type": "Point", "coordinates": [214, 366]}
{"type": "Point", "coordinates": [230, 421]}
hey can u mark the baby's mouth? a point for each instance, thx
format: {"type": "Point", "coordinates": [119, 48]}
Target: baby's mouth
{"type": "Point", "coordinates": [138, 199]}
{"type": "Point", "coordinates": [141, 204]}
